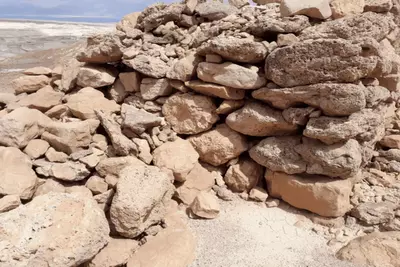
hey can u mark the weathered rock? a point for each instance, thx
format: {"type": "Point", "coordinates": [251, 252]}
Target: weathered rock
{"type": "Point", "coordinates": [219, 145]}
{"type": "Point", "coordinates": [338, 160]}
{"type": "Point", "coordinates": [97, 185]}
{"type": "Point", "coordinates": [128, 22]}
{"type": "Point", "coordinates": [286, 39]}
{"type": "Point", "coordinates": [391, 141]}
{"type": "Point", "coordinates": [258, 119]}
{"type": "Point", "coordinates": [199, 179]}
{"type": "Point", "coordinates": [50, 185]}
{"type": "Point", "coordinates": [318, 9]}
{"type": "Point", "coordinates": [185, 68]}
{"type": "Point", "coordinates": [70, 74]}
{"type": "Point", "coordinates": [131, 81]}
{"type": "Point", "coordinates": [58, 112]}
{"type": "Point", "coordinates": [258, 194]}
{"type": "Point", "coordinates": [140, 199]}
{"type": "Point", "coordinates": [243, 176]}
{"type": "Point", "coordinates": [117, 91]}
{"type": "Point", "coordinates": [148, 65]}
{"type": "Point", "coordinates": [334, 60]}
{"type": "Point", "coordinates": [36, 148]}
{"type": "Point", "coordinates": [7, 98]}
{"type": "Point", "coordinates": [378, 5]}
{"type": "Point", "coordinates": [216, 90]}
{"type": "Point", "coordinates": [138, 120]}
{"type": "Point", "coordinates": [58, 229]}
{"type": "Point", "coordinates": [376, 249]}
{"type": "Point", "coordinates": [101, 48]}
{"type": "Point", "coordinates": [230, 74]}
{"type": "Point", "coordinates": [96, 76]}
{"type": "Point", "coordinates": [156, 15]}
{"type": "Point", "coordinates": [215, 10]}
{"type": "Point", "coordinates": [153, 88]}
{"type": "Point", "coordinates": [116, 253]}
{"type": "Point", "coordinates": [343, 8]}
{"type": "Point", "coordinates": [318, 194]}
{"type": "Point", "coordinates": [66, 171]}
{"type": "Point", "coordinates": [205, 205]}
{"type": "Point", "coordinates": [112, 166]}
{"type": "Point", "coordinates": [298, 116]}
{"type": "Point", "coordinates": [43, 100]}
{"type": "Point", "coordinates": [87, 100]}
{"type": "Point", "coordinates": [332, 98]}
{"type": "Point", "coordinates": [9, 202]}
{"type": "Point", "coordinates": [38, 71]}
{"type": "Point", "coordinates": [178, 156]}
{"type": "Point", "coordinates": [374, 213]}
{"type": "Point", "coordinates": [355, 27]}
{"type": "Point", "coordinates": [190, 114]}
{"type": "Point", "coordinates": [30, 84]}
{"type": "Point", "coordinates": [79, 190]}
{"type": "Point", "coordinates": [278, 154]}
{"type": "Point", "coordinates": [228, 106]}
{"type": "Point", "coordinates": [267, 23]}
{"type": "Point", "coordinates": [238, 3]}
{"type": "Point", "coordinates": [235, 49]}
{"type": "Point", "coordinates": [144, 150]}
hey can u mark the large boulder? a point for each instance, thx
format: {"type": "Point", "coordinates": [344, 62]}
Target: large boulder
{"type": "Point", "coordinates": [244, 175]}
{"type": "Point", "coordinates": [377, 250]}
{"type": "Point", "coordinates": [140, 199]}
{"type": "Point", "coordinates": [55, 229]}
{"type": "Point", "coordinates": [318, 9]}
{"type": "Point", "coordinates": [258, 119]}
{"type": "Point", "coordinates": [334, 99]}
{"type": "Point", "coordinates": [43, 100]}
{"type": "Point", "coordinates": [16, 174]}
{"type": "Point", "coordinates": [215, 10]}
{"type": "Point", "coordinates": [83, 104]}
{"type": "Point", "coordinates": [318, 194]}
{"type": "Point", "coordinates": [323, 60]}
{"type": "Point", "coordinates": [185, 68]}
{"type": "Point", "coordinates": [101, 48]}
{"type": "Point", "coordinates": [96, 76]}
{"type": "Point", "coordinates": [216, 90]}
{"type": "Point", "coordinates": [219, 145]}
{"type": "Point", "coordinates": [190, 114]}
{"type": "Point", "coordinates": [230, 74]}
{"type": "Point", "coordinates": [30, 84]}
{"type": "Point", "coordinates": [244, 50]}
{"type": "Point", "coordinates": [179, 156]}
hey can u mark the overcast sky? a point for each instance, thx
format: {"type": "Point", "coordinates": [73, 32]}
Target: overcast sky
{"type": "Point", "coordinates": [108, 10]}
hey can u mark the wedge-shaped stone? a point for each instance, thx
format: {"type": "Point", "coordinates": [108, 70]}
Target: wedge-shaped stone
{"type": "Point", "coordinates": [318, 9]}
{"type": "Point", "coordinates": [138, 120]}
{"type": "Point", "coordinates": [185, 68]}
{"type": "Point", "coordinates": [30, 84]}
{"type": "Point", "coordinates": [43, 100]}
{"type": "Point", "coordinates": [216, 90]}
{"type": "Point", "coordinates": [101, 48]}
{"type": "Point", "coordinates": [96, 76]}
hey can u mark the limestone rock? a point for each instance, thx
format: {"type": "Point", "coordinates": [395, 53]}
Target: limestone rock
{"type": "Point", "coordinates": [97, 185]}
{"type": "Point", "coordinates": [117, 91]}
{"type": "Point", "coordinates": [130, 80]}
{"type": "Point", "coordinates": [144, 150]}
{"type": "Point", "coordinates": [347, 62]}
{"type": "Point", "coordinates": [343, 8]}
{"type": "Point", "coordinates": [258, 119]}
{"type": "Point", "coordinates": [112, 166]}
{"type": "Point", "coordinates": [67, 171]}
{"type": "Point", "coordinates": [278, 154]}
{"type": "Point", "coordinates": [101, 48]}
{"type": "Point", "coordinates": [391, 141]}
{"type": "Point", "coordinates": [267, 23]}
{"type": "Point", "coordinates": [326, 197]}
{"type": "Point", "coordinates": [50, 185]}
{"type": "Point", "coordinates": [96, 76]}
{"type": "Point", "coordinates": [179, 156]}
{"type": "Point", "coordinates": [9, 202]}
{"type": "Point", "coordinates": [318, 9]}
{"type": "Point", "coordinates": [38, 71]}
{"type": "Point", "coordinates": [258, 194]}
{"type": "Point", "coordinates": [149, 66]}
{"type": "Point", "coordinates": [378, 5]}
{"type": "Point", "coordinates": [298, 116]}
{"type": "Point", "coordinates": [156, 15]}
{"type": "Point", "coordinates": [30, 84]}
{"type": "Point", "coordinates": [153, 88]}
{"type": "Point", "coordinates": [243, 176]}
{"type": "Point", "coordinates": [7, 98]}
{"type": "Point", "coordinates": [215, 10]}
{"type": "Point", "coordinates": [374, 213]}
{"type": "Point", "coordinates": [116, 253]}
{"type": "Point", "coordinates": [199, 179]}
{"type": "Point", "coordinates": [128, 22]}
{"type": "Point", "coordinates": [43, 100]}
{"type": "Point", "coordinates": [87, 100]}
{"type": "Point", "coordinates": [81, 231]}
{"type": "Point", "coordinates": [334, 99]}
{"type": "Point", "coordinates": [70, 73]}
{"type": "Point", "coordinates": [286, 39]}
{"type": "Point", "coordinates": [228, 106]}
{"type": "Point", "coordinates": [338, 160]}
{"type": "Point", "coordinates": [185, 68]}
{"type": "Point", "coordinates": [79, 190]}
{"type": "Point", "coordinates": [219, 145]}
{"type": "Point", "coordinates": [190, 114]}
{"type": "Point", "coordinates": [36, 148]}
{"type": "Point", "coordinates": [230, 74]}
{"type": "Point", "coordinates": [215, 90]}
{"type": "Point", "coordinates": [376, 249]}
{"type": "Point", "coordinates": [205, 205]}
{"type": "Point", "coordinates": [235, 49]}
{"type": "Point", "coordinates": [140, 199]}
{"type": "Point", "coordinates": [138, 120]}
{"type": "Point", "coordinates": [238, 3]}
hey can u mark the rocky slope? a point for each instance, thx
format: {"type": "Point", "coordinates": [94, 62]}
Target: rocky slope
{"type": "Point", "coordinates": [198, 102]}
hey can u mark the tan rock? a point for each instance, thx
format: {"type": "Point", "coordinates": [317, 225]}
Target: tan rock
{"type": "Point", "coordinates": [258, 194]}
{"type": "Point", "coordinates": [54, 156]}
{"type": "Point", "coordinates": [78, 190]}
{"type": "Point", "coordinates": [131, 81]}
{"type": "Point", "coordinates": [326, 197]}
{"type": "Point", "coordinates": [140, 200]}
{"type": "Point", "coordinates": [179, 156]}
{"type": "Point", "coordinates": [144, 150]}
{"type": "Point", "coordinates": [391, 141]}
{"type": "Point", "coordinates": [153, 88]}
{"type": "Point", "coordinates": [96, 76]}
{"type": "Point", "coordinates": [219, 145]}
{"type": "Point", "coordinates": [190, 114]}
{"type": "Point", "coordinates": [7, 98]}
{"type": "Point", "coordinates": [101, 48]}
{"type": "Point", "coordinates": [92, 160]}
{"type": "Point", "coordinates": [67, 171]}
{"type": "Point", "coordinates": [343, 8]}
{"type": "Point", "coordinates": [230, 74]}
{"type": "Point", "coordinates": [149, 66]}
{"type": "Point", "coordinates": [228, 106]}
{"type": "Point", "coordinates": [117, 91]}
{"type": "Point", "coordinates": [374, 213]}
{"type": "Point", "coordinates": [185, 68]}
{"type": "Point", "coordinates": [43, 100]}
{"type": "Point", "coordinates": [128, 22]}
{"type": "Point", "coordinates": [50, 185]}
{"type": "Point", "coordinates": [318, 9]}
{"type": "Point", "coordinates": [213, 58]}
{"type": "Point", "coordinates": [81, 231]}
{"type": "Point", "coordinates": [257, 119]}
{"type": "Point", "coordinates": [378, 5]}
{"type": "Point", "coordinates": [205, 205]}
{"type": "Point", "coordinates": [9, 202]}
{"type": "Point", "coordinates": [215, 90]}
{"type": "Point", "coordinates": [243, 176]}
{"type": "Point", "coordinates": [38, 71]}
{"type": "Point", "coordinates": [116, 253]}
{"type": "Point", "coordinates": [244, 50]}
{"type": "Point", "coordinates": [87, 100]}
{"type": "Point", "coordinates": [112, 166]}
{"type": "Point", "coordinates": [30, 84]}
{"type": "Point", "coordinates": [215, 10]}
{"type": "Point", "coordinates": [97, 185]}
{"type": "Point", "coordinates": [58, 112]}
{"type": "Point", "coordinates": [36, 148]}
{"type": "Point", "coordinates": [105, 198]}
{"type": "Point", "coordinates": [238, 3]}
{"type": "Point", "coordinates": [286, 39]}
{"type": "Point", "coordinates": [70, 74]}
{"type": "Point", "coordinates": [376, 249]}
{"type": "Point", "coordinates": [17, 176]}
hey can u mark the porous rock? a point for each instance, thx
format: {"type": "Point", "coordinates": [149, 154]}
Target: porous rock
{"type": "Point", "coordinates": [243, 176]}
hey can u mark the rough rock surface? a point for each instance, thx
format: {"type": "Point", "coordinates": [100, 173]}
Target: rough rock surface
{"type": "Point", "coordinates": [30, 84]}
{"type": "Point", "coordinates": [343, 8]}
{"type": "Point", "coordinates": [216, 90]}
{"type": "Point", "coordinates": [318, 9]}
{"type": "Point", "coordinates": [95, 76]}
{"type": "Point", "coordinates": [101, 48]}
{"type": "Point", "coordinates": [244, 175]}
{"type": "Point", "coordinates": [205, 205]}
{"type": "Point", "coordinates": [43, 99]}
{"type": "Point", "coordinates": [138, 120]}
